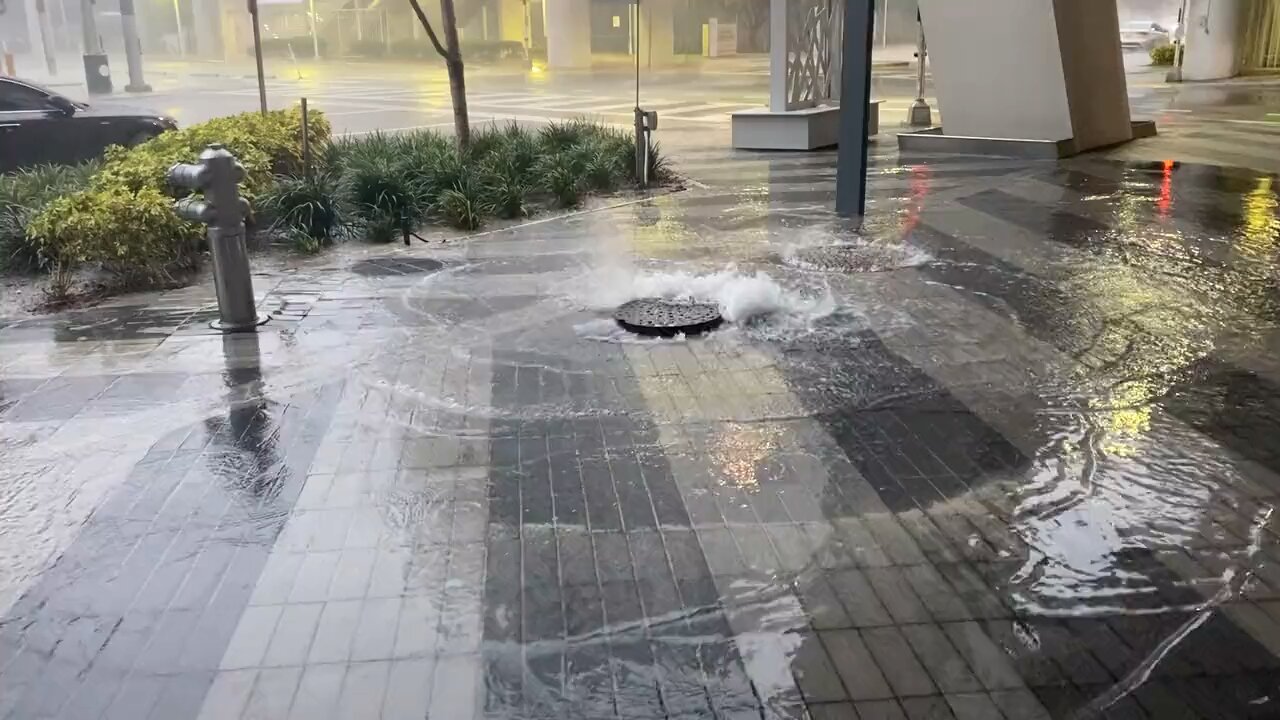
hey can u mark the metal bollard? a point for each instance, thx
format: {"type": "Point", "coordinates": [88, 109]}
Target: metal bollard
{"type": "Point", "coordinates": [224, 211]}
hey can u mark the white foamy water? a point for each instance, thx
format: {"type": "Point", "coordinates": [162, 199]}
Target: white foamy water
{"type": "Point", "coordinates": [742, 298]}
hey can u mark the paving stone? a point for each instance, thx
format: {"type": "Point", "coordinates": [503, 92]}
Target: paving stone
{"type": "Point", "coordinates": [860, 600]}
{"type": "Point", "coordinates": [897, 661]}
{"type": "Point", "coordinates": [894, 590]}
{"type": "Point", "coordinates": [814, 673]}
{"type": "Point", "coordinates": [985, 659]}
{"type": "Point", "coordinates": [946, 667]}
{"type": "Point", "coordinates": [855, 665]}
{"type": "Point", "coordinates": [933, 707]}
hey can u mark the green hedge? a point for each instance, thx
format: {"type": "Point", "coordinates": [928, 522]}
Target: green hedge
{"type": "Point", "coordinates": [387, 183]}
{"type": "Point", "coordinates": [1163, 54]}
{"type": "Point", "coordinates": [124, 219]}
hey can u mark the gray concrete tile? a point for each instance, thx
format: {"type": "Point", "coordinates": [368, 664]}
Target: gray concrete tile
{"type": "Point", "coordinates": [859, 543]}
{"type": "Point", "coordinates": [228, 695]}
{"type": "Point", "coordinates": [363, 691]}
{"type": "Point", "coordinates": [272, 693]}
{"type": "Point", "coordinates": [860, 600]}
{"type": "Point", "coordinates": [946, 667]}
{"type": "Point", "coordinates": [896, 542]}
{"type": "Point", "coordinates": [880, 710]}
{"type": "Point", "coordinates": [817, 678]}
{"type": "Point", "coordinates": [291, 640]}
{"type": "Point", "coordinates": [893, 589]}
{"type": "Point", "coordinates": [987, 661]}
{"type": "Point", "coordinates": [318, 692]}
{"type": "Point", "coordinates": [418, 629]}
{"type": "Point", "coordinates": [973, 706]}
{"type": "Point", "coordinates": [898, 662]}
{"type": "Point", "coordinates": [408, 693]}
{"type": "Point", "coordinates": [820, 601]}
{"type": "Point", "coordinates": [314, 577]}
{"type": "Point", "coordinates": [933, 707]}
{"type": "Point", "coordinates": [855, 665]}
{"type": "Point", "coordinates": [335, 632]}
{"type": "Point", "coordinates": [276, 580]}
{"type": "Point", "coordinates": [1019, 704]}
{"type": "Point", "coordinates": [350, 579]}
{"type": "Point", "coordinates": [456, 690]}
{"type": "Point", "coordinates": [249, 644]}
{"type": "Point", "coordinates": [375, 634]}
{"type": "Point", "coordinates": [936, 593]}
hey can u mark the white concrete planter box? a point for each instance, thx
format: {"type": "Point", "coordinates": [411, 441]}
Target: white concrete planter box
{"type": "Point", "coordinates": [807, 129]}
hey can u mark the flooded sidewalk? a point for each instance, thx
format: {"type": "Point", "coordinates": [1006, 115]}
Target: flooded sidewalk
{"type": "Point", "coordinates": [1008, 451]}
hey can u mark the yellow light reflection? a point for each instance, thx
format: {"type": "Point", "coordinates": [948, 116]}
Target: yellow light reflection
{"type": "Point", "coordinates": [738, 449]}
{"type": "Point", "coordinates": [1258, 235]}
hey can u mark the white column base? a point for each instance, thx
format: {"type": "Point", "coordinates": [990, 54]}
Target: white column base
{"type": "Point", "coordinates": [807, 129]}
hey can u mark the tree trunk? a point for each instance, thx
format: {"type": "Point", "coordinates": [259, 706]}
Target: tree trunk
{"type": "Point", "coordinates": [451, 51]}
{"type": "Point", "coordinates": [457, 78]}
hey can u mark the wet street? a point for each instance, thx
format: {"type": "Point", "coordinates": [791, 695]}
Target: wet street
{"type": "Point", "coordinates": [1009, 451]}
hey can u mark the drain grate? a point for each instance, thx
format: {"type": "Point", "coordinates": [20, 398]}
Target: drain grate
{"type": "Point", "coordinates": [666, 318]}
{"type": "Point", "coordinates": [395, 265]}
{"type": "Point", "coordinates": [851, 259]}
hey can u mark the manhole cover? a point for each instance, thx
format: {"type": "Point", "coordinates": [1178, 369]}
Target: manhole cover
{"type": "Point", "coordinates": [853, 259]}
{"type": "Point", "coordinates": [665, 318]}
{"type": "Point", "coordinates": [395, 265]}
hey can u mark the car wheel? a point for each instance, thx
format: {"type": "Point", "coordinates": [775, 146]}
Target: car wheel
{"type": "Point", "coordinates": [140, 138]}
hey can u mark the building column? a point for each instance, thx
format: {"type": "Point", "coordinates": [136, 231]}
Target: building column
{"type": "Point", "coordinates": [1036, 70]}
{"type": "Point", "coordinates": [206, 30]}
{"type": "Point", "coordinates": [512, 25]}
{"type": "Point", "coordinates": [568, 24]}
{"type": "Point", "coordinates": [1213, 36]}
{"type": "Point", "coordinates": [657, 33]}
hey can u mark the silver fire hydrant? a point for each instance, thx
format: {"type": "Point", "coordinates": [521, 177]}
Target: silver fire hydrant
{"type": "Point", "coordinates": [217, 175]}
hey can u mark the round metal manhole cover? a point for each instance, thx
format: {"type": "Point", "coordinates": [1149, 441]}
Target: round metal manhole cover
{"type": "Point", "coordinates": [853, 259]}
{"type": "Point", "coordinates": [667, 318]}
{"type": "Point", "coordinates": [395, 265]}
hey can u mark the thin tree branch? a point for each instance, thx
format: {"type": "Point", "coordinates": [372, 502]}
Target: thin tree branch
{"type": "Point", "coordinates": [426, 25]}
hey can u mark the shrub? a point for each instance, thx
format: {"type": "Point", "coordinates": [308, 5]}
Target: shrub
{"type": "Point", "coordinates": [560, 136]}
{"type": "Point", "coordinates": [386, 198]}
{"type": "Point", "coordinates": [266, 145]}
{"type": "Point", "coordinates": [124, 219]}
{"type": "Point", "coordinates": [464, 206]}
{"type": "Point", "coordinates": [1163, 54]}
{"type": "Point", "coordinates": [134, 235]}
{"type": "Point", "coordinates": [22, 196]}
{"type": "Point", "coordinates": [312, 205]}
{"type": "Point", "coordinates": [562, 177]}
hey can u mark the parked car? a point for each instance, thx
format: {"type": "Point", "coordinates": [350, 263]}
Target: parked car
{"type": "Point", "coordinates": [1144, 34]}
{"type": "Point", "coordinates": [38, 126]}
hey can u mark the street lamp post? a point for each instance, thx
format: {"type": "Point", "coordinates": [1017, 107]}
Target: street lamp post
{"type": "Point", "coordinates": [920, 115]}
{"type": "Point", "coordinates": [315, 39]}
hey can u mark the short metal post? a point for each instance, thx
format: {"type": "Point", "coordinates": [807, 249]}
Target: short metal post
{"type": "Point", "coordinates": [224, 211]}
{"type": "Point", "coordinates": [642, 156]}
{"type": "Point", "coordinates": [920, 114]}
{"type": "Point", "coordinates": [306, 142]}
{"type": "Point", "coordinates": [257, 55]}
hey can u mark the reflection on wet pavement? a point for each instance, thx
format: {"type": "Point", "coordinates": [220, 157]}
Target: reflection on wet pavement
{"type": "Point", "coordinates": [1006, 452]}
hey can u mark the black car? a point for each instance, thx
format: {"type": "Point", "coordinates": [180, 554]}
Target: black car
{"type": "Point", "coordinates": [40, 126]}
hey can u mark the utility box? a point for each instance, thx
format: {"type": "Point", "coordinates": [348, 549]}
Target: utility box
{"type": "Point", "coordinates": [97, 74]}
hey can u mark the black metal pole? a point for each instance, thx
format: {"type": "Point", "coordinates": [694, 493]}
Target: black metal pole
{"type": "Point", "coordinates": [855, 95]}
{"type": "Point", "coordinates": [257, 56]}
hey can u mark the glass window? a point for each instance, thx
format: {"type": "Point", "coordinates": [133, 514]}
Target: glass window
{"type": "Point", "coordinates": [15, 97]}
